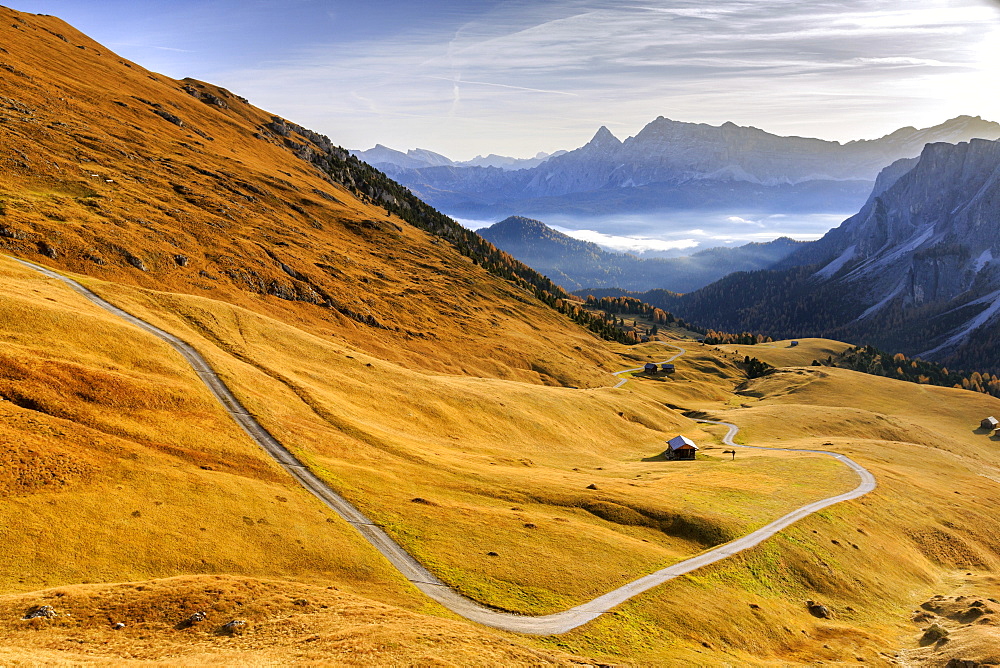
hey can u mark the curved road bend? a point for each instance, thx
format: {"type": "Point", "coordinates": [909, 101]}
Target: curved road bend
{"type": "Point", "coordinates": [560, 622]}
{"type": "Point", "coordinates": [666, 361]}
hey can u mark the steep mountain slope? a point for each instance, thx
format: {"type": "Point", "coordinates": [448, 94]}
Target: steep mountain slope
{"type": "Point", "coordinates": [119, 173]}
{"type": "Point", "coordinates": [580, 265]}
{"type": "Point", "coordinates": [916, 270]}
{"type": "Point", "coordinates": [672, 165]}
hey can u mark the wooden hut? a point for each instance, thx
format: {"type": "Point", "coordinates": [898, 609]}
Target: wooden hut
{"type": "Point", "coordinates": [649, 367]}
{"type": "Point", "coordinates": [667, 368]}
{"type": "Point", "coordinates": [793, 344]}
{"type": "Point", "coordinates": [989, 423]}
{"type": "Point", "coordinates": [680, 447]}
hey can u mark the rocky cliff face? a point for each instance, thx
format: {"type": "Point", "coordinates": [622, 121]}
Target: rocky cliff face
{"type": "Point", "coordinates": [930, 236]}
{"type": "Point", "coordinates": [917, 270]}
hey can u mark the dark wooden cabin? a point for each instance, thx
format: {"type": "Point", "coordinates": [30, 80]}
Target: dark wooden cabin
{"type": "Point", "coordinates": [680, 447]}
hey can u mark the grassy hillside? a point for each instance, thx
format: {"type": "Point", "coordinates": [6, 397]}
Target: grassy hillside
{"type": "Point", "coordinates": [511, 465]}
{"type": "Point", "coordinates": [450, 416]}
{"type": "Point", "coordinates": [783, 353]}
{"type": "Point", "coordinates": [126, 175]}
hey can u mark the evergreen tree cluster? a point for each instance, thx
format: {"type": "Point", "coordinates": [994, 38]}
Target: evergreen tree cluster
{"type": "Point", "coordinates": [633, 306]}
{"type": "Point", "coordinates": [871, 360]}
{"type": "Point", "coordinates": [756, 368]}
{"type": "Point", "coordinates": [713, 338]}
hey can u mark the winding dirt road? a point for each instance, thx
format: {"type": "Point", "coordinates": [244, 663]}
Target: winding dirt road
{"type": "Point", "coordinates": [640, 368]}
{"type": "Point", "coordinates": [412, 569]}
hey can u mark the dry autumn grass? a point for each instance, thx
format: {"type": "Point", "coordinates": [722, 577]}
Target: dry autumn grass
{"type": "Point", "coordinates": [783, 353]}
{"type": "Point", "coordinates": [117, 466]}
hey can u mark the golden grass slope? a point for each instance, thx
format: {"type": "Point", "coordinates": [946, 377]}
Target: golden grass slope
{"type": "Point", "coordinates": [116, 463]}
{"type": "Point", "coordinates": [285, 623]}
{"type": "Point", "coordinates": [92, 179]}
{"type": "Point", "coordinates": [489, 457]}
{"type": "Point", "coordinates": [783, 353]}
{"type": "Point", "coordinates": [497, 466]}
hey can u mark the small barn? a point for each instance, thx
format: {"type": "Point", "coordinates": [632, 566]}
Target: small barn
{"type": "Point", "coordinates": [793, 344]}
{"type": "Point", "coordinates": [649, 367]}
{"type": "Point", "coordinates": [667, 368]}
{"type": "Point", "coordinates": [680, 447]}
{"type": "Point", "coordinates": [989, 423]}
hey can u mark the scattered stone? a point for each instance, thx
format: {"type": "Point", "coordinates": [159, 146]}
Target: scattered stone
{"type": "Point", "coordinates": [170, 118]}
{"type": "Point", "coordinates": [818, 610]}
{"type": "Point", "coordinates": [135, 262]}
{"type": "Point", "coordinates": [181, 260]}
{"type": "Point", "coordinates": [196, 618]}
{"type": "Point", "coordinates": [754, 606]}
{"type": "Point", "coordinates": [300, 601]}
{"type": "Point", "coordinates": [591, 486]}
{"type": "Point", "coordinates": [492, 554]}
{"type": "Point", "coordinates": [962, 663]}
{"type": "Point", "coordinates": [529, 525]}
{"type": "Point", "coordinates": [118, 626]}
{"type": "Point", "coordinates": [234, 627]}
{"type": "Point", "coordinates": [932, 634]}
{"type": "Point", "coordinates": [47, 250]}
{"type": "Point", "coordinates": [41, 612]}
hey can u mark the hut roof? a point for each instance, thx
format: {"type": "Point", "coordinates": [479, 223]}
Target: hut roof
{"type": "Point", "coordinates": [678, 442]}
{"type": "Point", "coordinates": [668, 366]}
{"type": "Point", "coordinates": [649, 365]}
{"type": "Point", "coordinates": [991, 420]}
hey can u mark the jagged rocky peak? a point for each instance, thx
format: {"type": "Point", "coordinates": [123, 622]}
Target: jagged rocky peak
{"type": "Point", "coordinates": [604, 139]}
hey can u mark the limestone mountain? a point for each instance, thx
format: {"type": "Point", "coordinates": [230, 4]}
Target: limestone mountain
{"type": "Point", "coordinates": [916, 270]}
{"type": "Point", "coordinates": [672, 165]}
{"type": "Point", "coordinates": [581, 265]}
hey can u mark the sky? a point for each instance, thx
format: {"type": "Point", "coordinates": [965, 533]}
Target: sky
{"type": "Point", "coordinates": [518, 77]}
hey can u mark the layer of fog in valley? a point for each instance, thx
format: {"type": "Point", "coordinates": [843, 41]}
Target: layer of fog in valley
{"type": "Point", "coordinates": [676, 234]}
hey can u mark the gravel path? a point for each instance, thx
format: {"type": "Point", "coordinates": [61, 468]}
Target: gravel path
{"type": "Point", "coordinates": [423, 579]}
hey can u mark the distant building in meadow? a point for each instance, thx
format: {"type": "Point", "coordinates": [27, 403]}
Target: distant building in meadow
{"type": "Point", "coordinates": [649, 367]}
{"type": "Point", "coordinates": [680, 447]}
{"type": "Point", "coordinates": [667, 368]}
{"type": "Point", "coordinates": [793, 344]}
{"type": "Point", "coordinates": [989, 423]}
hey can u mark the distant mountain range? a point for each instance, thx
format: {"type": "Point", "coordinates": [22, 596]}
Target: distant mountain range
{"type": "Point", "coordinates": [384, 158]}
{"type": "Point", "coordinates": [581, 265]}
{"type": "Point", "coordinates": [917, 270]}
{"type": "Point", "coordinates": [671, 165]}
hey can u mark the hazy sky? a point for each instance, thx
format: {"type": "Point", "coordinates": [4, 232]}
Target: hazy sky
{"type": "Point", "coordinates": [517, 77]}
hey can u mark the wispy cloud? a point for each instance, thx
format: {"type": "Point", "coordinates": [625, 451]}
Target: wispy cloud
{"type": "Point", "coordinates": [524, 77]}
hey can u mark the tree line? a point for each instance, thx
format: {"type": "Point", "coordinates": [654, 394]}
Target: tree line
{"type": "Point", "coordinates": [871, 360]}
